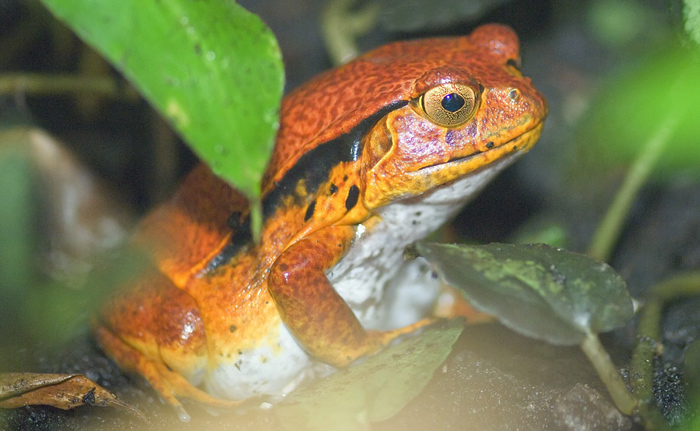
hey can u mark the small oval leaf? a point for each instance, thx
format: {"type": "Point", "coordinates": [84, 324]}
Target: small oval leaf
{"type": "Point", "coordinates": [537, 290]}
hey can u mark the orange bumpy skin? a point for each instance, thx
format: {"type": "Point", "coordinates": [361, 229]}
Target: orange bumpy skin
{"type": "Point", "coordinates": [369, 157]}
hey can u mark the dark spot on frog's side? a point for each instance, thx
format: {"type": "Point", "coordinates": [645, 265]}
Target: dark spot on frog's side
{"type": "Point", "coordinates": [232, 328]}
{"type": "Point", "coordinates": [353, 196]}
{"type": "Point", "coordinates": [241, 237]}
{"type": "Point", "coordinates": [310, 211]}
{"type": "Point", "coordinates": [333, 189]}
{"type": "Point", "coordinates": [236, 220]}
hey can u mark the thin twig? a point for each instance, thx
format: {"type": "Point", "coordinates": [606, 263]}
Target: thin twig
{"type": "Point", "coordinates": [608, 231]}
{"type": "Point", "coordinates": [648, 345]}
{"type": "Point", "coordinates": [341, 27]}
{"type": "Point", "coordinates": [47, 84]}
{"type": "Point", "coordinates": [607, 371]}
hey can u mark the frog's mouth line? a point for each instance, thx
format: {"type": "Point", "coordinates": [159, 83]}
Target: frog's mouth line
{"type": "Point", "coordinates": [529, 137]}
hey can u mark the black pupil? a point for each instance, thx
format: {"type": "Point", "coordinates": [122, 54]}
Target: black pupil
{"type": "Point", "coordinates": [453, 102]}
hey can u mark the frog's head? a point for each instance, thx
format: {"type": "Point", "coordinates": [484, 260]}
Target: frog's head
{"type": "Point", "coordinates": [400, 121]}
{"type": "Point", "coordinates": [463, 116]}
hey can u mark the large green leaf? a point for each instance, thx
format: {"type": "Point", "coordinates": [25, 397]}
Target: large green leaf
{"type": "Point", "coordinates": [374, 390]}
{"type": "Point", "coordinates": [630, 109]}
{"type": "Point", "coordinates": [212, 68]}
{"type": "Point", "coordinates": [536, 290]}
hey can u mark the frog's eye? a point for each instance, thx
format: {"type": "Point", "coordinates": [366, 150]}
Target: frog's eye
{"type": "Point", "coordinates": [449, 105]}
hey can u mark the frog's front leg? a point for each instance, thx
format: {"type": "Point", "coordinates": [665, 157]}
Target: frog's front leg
{"type": "Point", "coordinates": [313, 311]}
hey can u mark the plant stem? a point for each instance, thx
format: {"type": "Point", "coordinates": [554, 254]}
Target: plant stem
{"type": "Point", "coordinates": [42, 84]}
{"type": "Point", "coordinates": [648, 330]}
{"type": "Point", "coordinates": [680, 286]}
{"type": "Point", "coordinates": [648, 347]}
{"type": "Point", "coordinates": [256, 219]}
{"type": "Point", "coordinates": [609, 229]}
{"type": "Point", "coordinates": [641, 375]}
{"type": "Point", "coordinates": [607, 372]}
{"type": "Point", "coordinates": [341, 27]}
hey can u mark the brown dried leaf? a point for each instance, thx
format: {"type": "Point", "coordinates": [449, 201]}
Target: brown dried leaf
{"type": "Point", "coordinates": [64, 391]}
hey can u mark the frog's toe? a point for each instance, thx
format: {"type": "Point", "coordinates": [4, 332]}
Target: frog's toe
{"type": "Point", "coordinates": [182, 413]}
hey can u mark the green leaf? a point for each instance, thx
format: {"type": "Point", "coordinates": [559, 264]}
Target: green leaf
{"type": "Point", "coordinates": [536, 290]}
{"type": "Point", "coordinates": [618, 23]}
{"type": "Point", "coordinates": [629, 109]}
{"type": "Point", "coordinates": [17, 234]}
{"type": "Point", "coordinates": [373, 390]}
{"type": "Point", "coordinates": [212, 68]}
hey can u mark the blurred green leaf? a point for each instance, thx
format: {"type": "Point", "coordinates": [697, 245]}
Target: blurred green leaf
{"type": "Point", "coordinates": [212, 68]}
{"type": "Point", "coordinates": [373, 390]}
{"type": "Point", "coordinates": [56, 313]}
{"type": "Point", "coordinates": [35, 307]}
{"type": "Point", "coordinates": [17, 235]}
{"type": "Point", "coordinates": [617, 23]}
{"type": "Point", "coordinates": [541, 230]}
{"type": "Point", "coordinates": [17, 238]}
{"type": "Point", "coordinates": [632, 105]}
{"type": "Point", "coordinates": [536, 290]}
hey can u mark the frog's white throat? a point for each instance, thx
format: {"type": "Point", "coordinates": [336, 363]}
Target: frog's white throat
{"type": "Point", "coordinates": [383, 290]}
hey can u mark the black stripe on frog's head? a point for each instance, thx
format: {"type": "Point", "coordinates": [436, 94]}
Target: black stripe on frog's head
{"type": "Point", "coordinates": [313, 168]}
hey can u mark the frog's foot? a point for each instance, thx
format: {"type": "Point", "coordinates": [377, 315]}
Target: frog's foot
{"type": "Point", "coordinates": [376, 341]}
{"type": "Point", "coordinates": [452, 303]}
{"type": "Point", "coordinates": [170, 385]}
{"type": "Point", "coordinates": [381, 339]}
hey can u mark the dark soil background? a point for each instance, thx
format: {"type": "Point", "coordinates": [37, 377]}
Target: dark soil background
{"type": "Point", "coordinates": [494, 379]}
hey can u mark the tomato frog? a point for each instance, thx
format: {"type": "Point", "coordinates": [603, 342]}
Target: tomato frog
{"type": "Point", "coordinates": [369, 158]}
